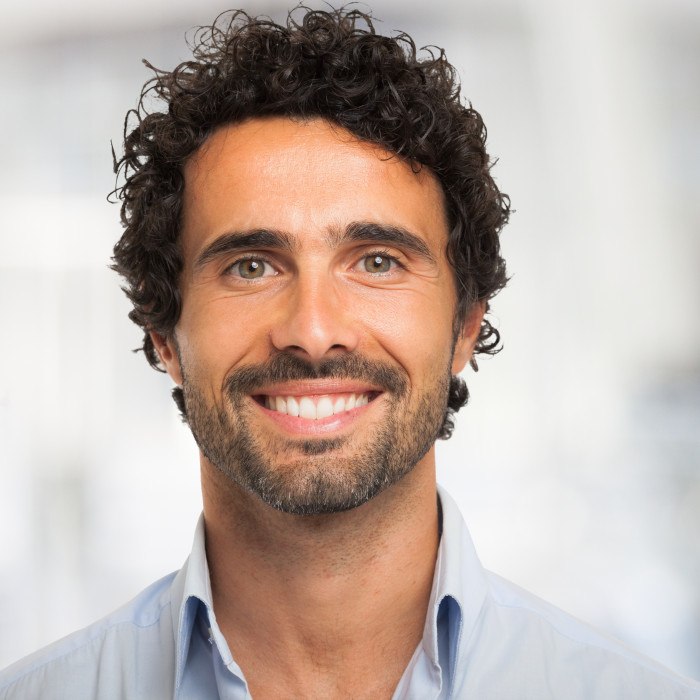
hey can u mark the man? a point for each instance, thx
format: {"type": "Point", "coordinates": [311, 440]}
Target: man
{"type": "Point", "coordinates": [310, 246]}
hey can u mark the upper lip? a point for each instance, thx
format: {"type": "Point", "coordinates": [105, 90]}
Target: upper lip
{"type": "Point", "coordinates": [317, 387]}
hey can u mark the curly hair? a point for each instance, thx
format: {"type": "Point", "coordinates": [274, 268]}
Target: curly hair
{"type": "Point", "coordinates": [332, 65]}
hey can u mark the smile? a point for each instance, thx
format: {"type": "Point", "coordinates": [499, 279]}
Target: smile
{"type": "Point", "coordinates": [316, 407]}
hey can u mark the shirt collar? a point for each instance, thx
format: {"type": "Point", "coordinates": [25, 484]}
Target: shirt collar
{"type": "Point", "coordinates": [458, 593]}
{"type": "Point", "coordinates": [456, 599]}
{"type": "Point", "coordinates": [191, 589]}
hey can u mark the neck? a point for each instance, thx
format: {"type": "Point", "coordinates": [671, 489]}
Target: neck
{"type": "Point", "coordinates": [322, 597]}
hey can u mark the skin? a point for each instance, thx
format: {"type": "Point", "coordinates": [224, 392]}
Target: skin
{"type": "Point", "coordinates": [365, 573]}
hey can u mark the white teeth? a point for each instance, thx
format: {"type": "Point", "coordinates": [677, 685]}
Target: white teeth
{"type": "Point", "coordinates": [311, 409]}
{"type": "Point", "coordinates": [307, 408]}
{"type": "Point", "coordinates": [324, 408]}
{"type": "Point", "coordinates": [292, 406]}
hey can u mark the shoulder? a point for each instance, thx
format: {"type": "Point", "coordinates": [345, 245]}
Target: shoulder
{"type": "Point", "coordinates": [104, 659]}
{"type": "Point", "coordinates": [535, 647]}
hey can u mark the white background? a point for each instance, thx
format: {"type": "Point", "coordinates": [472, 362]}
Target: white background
{"type": "Point", "coordinates": [577, 462]}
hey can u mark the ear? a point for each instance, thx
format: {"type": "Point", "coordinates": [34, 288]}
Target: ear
{"type": "Point", "coordinates": [464, 347]}
{"type": "Point", "coordinates": [167, 351]}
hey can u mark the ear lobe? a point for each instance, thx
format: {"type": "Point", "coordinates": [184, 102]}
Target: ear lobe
{"type": "Point", "coordinates": [469, 333]}
{"type": "Point", "coordinates": [167, 351]}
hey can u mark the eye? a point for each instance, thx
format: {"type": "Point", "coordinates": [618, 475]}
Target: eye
{"type": "Point", "coordinates": [251, 269]}
{"type": "Point", "coordinates": [378, 263]}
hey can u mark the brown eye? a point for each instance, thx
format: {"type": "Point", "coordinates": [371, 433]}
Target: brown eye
{"type": "Point", "coordinates": [378, 263]}
{"type": "Point", "coordinates": [250, 269]}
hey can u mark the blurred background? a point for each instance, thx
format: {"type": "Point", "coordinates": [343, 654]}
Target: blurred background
{"type": "Point", "coordinates": [577, 462]}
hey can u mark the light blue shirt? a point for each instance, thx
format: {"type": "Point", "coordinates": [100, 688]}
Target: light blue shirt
{"type": "Point", "coordinates": [483, 639]}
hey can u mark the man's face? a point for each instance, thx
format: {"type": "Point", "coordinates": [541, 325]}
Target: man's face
{"type": "Point", "coordinates": [315, 344]}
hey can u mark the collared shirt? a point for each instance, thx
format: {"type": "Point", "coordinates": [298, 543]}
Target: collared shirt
{"type": "Point", "coordinates": [484, 638]}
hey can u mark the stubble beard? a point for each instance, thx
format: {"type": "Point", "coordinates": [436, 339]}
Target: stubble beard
{"type": "Point", "coordinates": [319, 475]}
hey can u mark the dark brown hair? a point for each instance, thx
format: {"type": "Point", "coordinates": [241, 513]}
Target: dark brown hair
{"type": "Point", "coordinates": [320, 64]}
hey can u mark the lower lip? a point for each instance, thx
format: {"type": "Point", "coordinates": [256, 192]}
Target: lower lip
{"type": "Point", "coordinates": [320, 426]}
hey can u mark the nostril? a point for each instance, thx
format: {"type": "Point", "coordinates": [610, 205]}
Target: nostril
{"type": "Point", "coordinates": [312, 335]}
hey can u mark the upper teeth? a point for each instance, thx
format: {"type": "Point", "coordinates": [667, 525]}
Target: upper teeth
{"type": "Point", "coordinates": [315, 407]}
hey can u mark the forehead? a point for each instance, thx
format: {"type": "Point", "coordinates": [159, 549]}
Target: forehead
{"type": "Point", "coordinates": [305, 178]}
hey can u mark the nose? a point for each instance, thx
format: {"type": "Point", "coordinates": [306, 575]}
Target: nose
{"type": "Point", "coordinates": [315, 320]}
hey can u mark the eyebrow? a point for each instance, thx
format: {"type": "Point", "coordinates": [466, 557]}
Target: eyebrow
{"type": "Point", "coordinates": [279, 240]}
{"type": "Point", "coordinates": [241, 240]}
{"type": "Point", "coordinates": [381, 233]}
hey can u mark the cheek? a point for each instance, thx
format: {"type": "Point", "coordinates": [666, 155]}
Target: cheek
{"type": "Point", "coordinates": [217, 336]}
{"type": "Point", "coordinates": [415, 329]}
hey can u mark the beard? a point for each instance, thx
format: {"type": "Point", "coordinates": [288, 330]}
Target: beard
{"type": "Point", "coordinates": [317, 475]}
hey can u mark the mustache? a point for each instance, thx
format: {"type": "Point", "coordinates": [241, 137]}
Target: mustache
{"type": "Point", "coordinates": [285, 366]}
